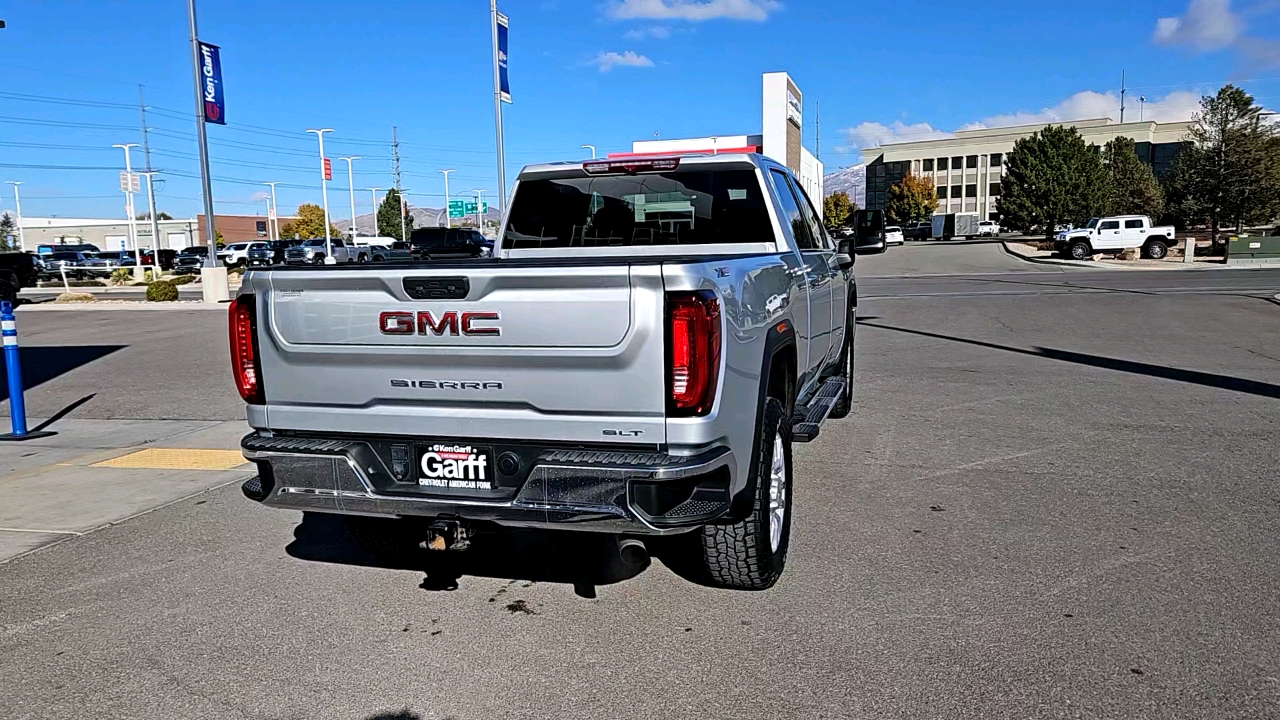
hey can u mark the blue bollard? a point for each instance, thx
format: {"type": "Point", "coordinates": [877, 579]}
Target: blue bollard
{"type": "Point", "coordinates": [13, 366]}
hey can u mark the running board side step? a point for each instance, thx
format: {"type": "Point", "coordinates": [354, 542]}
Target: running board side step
{"type": "Point", "coordinates": [808, 420]}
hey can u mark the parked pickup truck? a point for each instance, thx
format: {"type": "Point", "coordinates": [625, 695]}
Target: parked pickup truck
{"type": "Point", "coordinates": [1115, 234]}
{"type": "Point", "coordinates": [648, 340]}
{"type": "Point", "coordinates": [314, 252]}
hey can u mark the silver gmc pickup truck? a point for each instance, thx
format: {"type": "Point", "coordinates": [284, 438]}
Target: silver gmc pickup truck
{"type": "Point", "coordinates": [648, 339]}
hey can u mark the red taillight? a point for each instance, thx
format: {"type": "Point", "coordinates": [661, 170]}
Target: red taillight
{"type": "Point", "coordinates": [693, 352]}
{"type": "Point", "coordinates": [242, 326]}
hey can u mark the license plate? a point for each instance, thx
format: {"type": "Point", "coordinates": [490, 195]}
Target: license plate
{"type": "Point", "coordinates": [455, 466]}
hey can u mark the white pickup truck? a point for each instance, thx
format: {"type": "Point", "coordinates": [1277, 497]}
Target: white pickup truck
{"type": "Point", "coordinates": [1115, 234]}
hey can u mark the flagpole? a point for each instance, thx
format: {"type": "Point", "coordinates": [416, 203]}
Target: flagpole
{"type": "Point", "coordinates": [497, 109]}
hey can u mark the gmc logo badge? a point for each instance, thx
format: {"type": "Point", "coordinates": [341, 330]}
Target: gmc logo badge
{"type": "Point", "coordinates": [450, 323]}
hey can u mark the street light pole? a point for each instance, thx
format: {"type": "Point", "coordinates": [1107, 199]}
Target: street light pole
{"type": "Point", "coordinates": [1142, 106]}
{"type": "Point", "coordinates": [373, 193]}
{"type": "Point", "coordinates": [324, 196]}
{"type": "Point", "coordinates": [273, 215]}
{"type": "Point", "coordinates": [351, 190]}
{"type": "Point", "coordinates": [128, 203]}
{"type": "Point", "coordinates": [480, 210]}
{"type": "Point", "coordinates": [592, 148]}
{"type": "Point", "coordinates": [17, 201]}
{"type": "Point", "coordinates": [155, 225]}
{"type": "Point", "coordinates": [447, 221]}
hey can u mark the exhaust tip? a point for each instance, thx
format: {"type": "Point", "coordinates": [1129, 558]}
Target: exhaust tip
{"type": "Point", "coordinates": [632, 551]}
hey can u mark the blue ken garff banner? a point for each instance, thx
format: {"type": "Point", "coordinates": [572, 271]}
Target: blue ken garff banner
{"type": "Point", "coordinates": [503, 86]}
{"type": "Point", "coordinates": [211, 77]}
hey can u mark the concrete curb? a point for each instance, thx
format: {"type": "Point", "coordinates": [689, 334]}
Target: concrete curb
{"type": "Point", "coordinates": [1055, 261]}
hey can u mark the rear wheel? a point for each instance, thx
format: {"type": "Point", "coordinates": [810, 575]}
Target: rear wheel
{"type": "Point", "coordinates": [1155, 250]}
{"type": "Point", "coordinates": [751, 554]}
{"type": "Point", "coordinates": [318, 259]}
{"type": "Point", "coordinates": [362, 259]}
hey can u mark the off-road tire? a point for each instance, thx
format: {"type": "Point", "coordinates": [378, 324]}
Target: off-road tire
{"type": "Point", "coordinates": [1155, 250]}
{"type": "Point", "coordinates": [739, 555]}
{"type": "Point", "coordinates": [844, 403]}
{"type": "Point", "coordinates": [1079, 250]}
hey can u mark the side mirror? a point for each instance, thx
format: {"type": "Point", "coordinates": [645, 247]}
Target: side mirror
{"type": "Point", "coordinates": [844, 260]}
{"type": "Point", "coordinates": [871, 246]}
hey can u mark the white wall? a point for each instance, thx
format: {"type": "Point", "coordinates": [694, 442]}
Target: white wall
{"type": "Point", "coordinates": [774, 116]}
{"type": "Point", "coordinates": [811, 178]}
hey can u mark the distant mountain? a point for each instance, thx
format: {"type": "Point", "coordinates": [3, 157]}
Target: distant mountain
{"type": "Point", "coordinates": [422, 217]}
{"type": "Point", "coordinates": [851, 180]}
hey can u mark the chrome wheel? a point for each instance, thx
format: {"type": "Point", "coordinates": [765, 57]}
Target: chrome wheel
{"type": "Point", "coordinates": [777, 493]}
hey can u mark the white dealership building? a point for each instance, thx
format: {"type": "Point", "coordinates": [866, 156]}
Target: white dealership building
{"type": "Point", "coordinates": [782, 122]}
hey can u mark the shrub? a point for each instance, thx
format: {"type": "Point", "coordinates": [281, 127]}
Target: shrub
{"type": "Point", "coordinates": [120, 276]}
{"type": "Point", "coordinates": [181, 279]}
{"type": "Point", "coordinates": [147, 276]}
{"type": "Point", "coordinates": [161, 291]}
{"type": "Point", "coordinates": [237, 270]}
{"type": "Point", "coordinates": [75, 298]}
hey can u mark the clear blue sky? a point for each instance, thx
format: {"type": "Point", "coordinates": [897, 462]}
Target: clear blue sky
{"type": "Point", "coordinates": [880, 71]}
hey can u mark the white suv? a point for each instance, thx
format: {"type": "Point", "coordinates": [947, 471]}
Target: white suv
{"type": "Point", "coordinates": [892, 235]}
{"type": "Point", "coordinates": [237, 254]}
{"type": "Point", "coordinates": [988, 228]}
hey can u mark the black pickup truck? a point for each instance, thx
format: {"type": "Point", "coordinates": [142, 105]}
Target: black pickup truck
{"type": "Point", "coordinates": [17, 270]}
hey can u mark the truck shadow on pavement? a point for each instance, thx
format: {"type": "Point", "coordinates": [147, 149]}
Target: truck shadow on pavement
{"type": "Point", "coordinates": [584, 560]}
{"type": "Point", "coordinates": [42, 363]}
{"type": "Point", "coordinates": [1194, 377]}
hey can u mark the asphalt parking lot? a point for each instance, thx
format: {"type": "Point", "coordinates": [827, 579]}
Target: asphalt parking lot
{"type": "Point", "coordinates": [1055, 497]}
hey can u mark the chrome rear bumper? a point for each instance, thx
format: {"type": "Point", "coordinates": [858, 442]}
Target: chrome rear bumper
{"type": "Point", "coordinates": [600, 491]}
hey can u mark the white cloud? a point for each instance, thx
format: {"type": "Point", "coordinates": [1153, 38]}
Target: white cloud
{"type": "Point", "coordinates": [1085, 105]}
{"type": "Point", "coordinates": [607, 61]}
{"type": "Point", "coordinates": [259, 196]}
{"type": "Point", "coordinates": [871, 134]}
{"type": "Point", "coordinates": [1207, 25]}
{"type": "Point", "coordinates": [655, 32]}
{"type": "Point", "coordinates": [692, 10]}
{"type": "Point", "coordinates": [1088, 105]}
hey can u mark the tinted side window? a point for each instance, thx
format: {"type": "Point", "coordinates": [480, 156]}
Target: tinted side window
{"type": "Point", "coordinates": [1110, 225]}
{"type": "Point", "coordinates": [791, 212]}
{"type": "Point", "coordinates": [1132, 224]}
{"type": "Point", "coordinates": [810, 217]}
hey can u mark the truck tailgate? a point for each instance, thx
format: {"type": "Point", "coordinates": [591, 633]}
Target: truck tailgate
{"type": "Point", "coordinates": [500, 350]}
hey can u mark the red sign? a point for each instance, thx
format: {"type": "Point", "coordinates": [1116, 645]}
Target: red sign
{"type": "Point", "coordinates": [328, 170]}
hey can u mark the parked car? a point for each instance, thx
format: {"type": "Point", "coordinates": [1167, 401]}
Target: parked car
{"type": "Point", "coordinates": [71, 260]}
{"type": "Point", "coordinates": [191, 259]}
{"type": "Point", "coordinates": [103, 263]}
{"type": "Point", "coordinates": [373, 249]}
{"type": "Point", "coordinates": [17, 270]}
{"type": "Point", "coordinates": [918, 230]}
{"type": "Point", "coordinates": [400, 250]}
{"type": "Point", "coordinates": [237, 254]}
{"type": "Point", "coordinates": [313, 252]}
{"type": "Point", "coordinates": [437, 243]}
{"type": "Point", "coordinates": [988, 228]}
{"type": "Point", "coordinates": [632, 386]}
{"type": "Point", "coordinates": [167, 257]}
{"type": "Point", "coordinates": [893, 235]}
{"type": "Point", "coordinates": [45, 249]}
{"type": "Point", "coordinates": [1116, 234]}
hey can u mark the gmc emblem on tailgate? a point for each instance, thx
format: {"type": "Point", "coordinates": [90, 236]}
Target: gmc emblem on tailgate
{"type": "Point", "coordinates": [451, 322]}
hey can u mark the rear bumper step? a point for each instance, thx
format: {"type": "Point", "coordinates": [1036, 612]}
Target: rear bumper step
{"type": "Point", "coordinates": [648, 493]}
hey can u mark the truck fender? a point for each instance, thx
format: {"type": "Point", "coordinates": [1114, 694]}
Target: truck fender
{"type": "Point", "coordinates": [777, 379]}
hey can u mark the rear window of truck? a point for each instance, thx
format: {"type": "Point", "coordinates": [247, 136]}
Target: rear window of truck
{"type": "Point", "coordinates": [666, 208]}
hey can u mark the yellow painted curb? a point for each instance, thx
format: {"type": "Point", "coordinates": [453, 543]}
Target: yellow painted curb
{"type": "Point", "coordinates": [176, 459]}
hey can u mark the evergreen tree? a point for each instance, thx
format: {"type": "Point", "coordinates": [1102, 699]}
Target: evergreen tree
{"type": "Point", "coordinates": [1231, 177]}
{"type": "Point", "coordinates": [911, 198]}
{"type": "Point", "coordinates": [836, 209]}
{"type": "Point", "coordinates": [1133, 187]}
{"type": "Point", "coordinates": [1052, 177]}
{"type": "Point", "coordinates": [8, 233]}
{"type": "Point", "coordinates": [389, 216]}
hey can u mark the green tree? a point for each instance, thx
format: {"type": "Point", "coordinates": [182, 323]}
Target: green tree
{"type": "Point", "coordinates": [911, 198]}
{"type": "Point", "coordinates": [8, 233]}
{"type": "Point", "coordinates": [1052, 177]}
{"type": "Point", "coordinates": [1133, 188]}
{"type": "Point", "coordinates": [1231, 177]}
{"type": "Point", "coordinates": [389, 216]}
{"type": "Point", "coordinates": [162, 215]}
{"type": "Point", "coordinates": [308, 223]}
{"type": "Point", "coordinates": [836, 209]}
